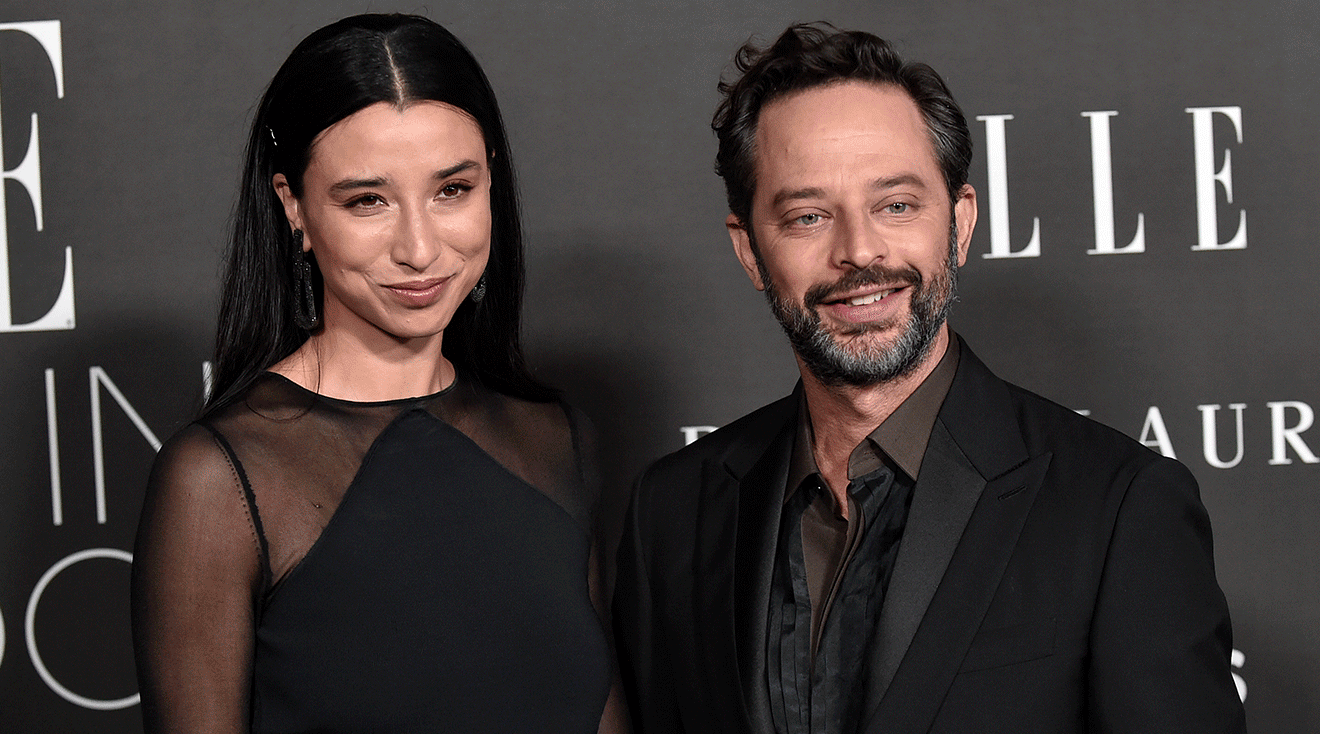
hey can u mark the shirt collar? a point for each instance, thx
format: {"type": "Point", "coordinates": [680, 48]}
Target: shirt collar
{"type": "Point", "coordinates": [899, 441]}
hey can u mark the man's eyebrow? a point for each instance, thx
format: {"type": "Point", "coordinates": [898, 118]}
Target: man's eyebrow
{"type": "Point", "coordinates": [349, 184]}
{"type": "Point", "coordinates": [783, 197]}
{"type": "Point", "coordinates": [901, 179]}
{"type": "Point", "coordinates": [815, 192]}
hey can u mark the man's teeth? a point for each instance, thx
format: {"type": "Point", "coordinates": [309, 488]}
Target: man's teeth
{"type": "Point", "coordinates": [872, 298]}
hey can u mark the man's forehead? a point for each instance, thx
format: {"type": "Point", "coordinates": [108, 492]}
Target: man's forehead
{"type": "Point", "coordinates": [845, 125]}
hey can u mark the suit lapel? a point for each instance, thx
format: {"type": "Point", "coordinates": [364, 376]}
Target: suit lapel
{"type": "Point", "coordinates": [923, 677]}
{"type": "Point", "coordinates": [963, 526]}
{"type": "Point", "coordinates": [738, 527]}
{"type": "Point", "coordinates": [942, 501]}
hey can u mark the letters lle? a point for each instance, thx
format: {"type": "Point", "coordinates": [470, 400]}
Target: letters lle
{"type": "Point", "coordinates": [1207, 182]}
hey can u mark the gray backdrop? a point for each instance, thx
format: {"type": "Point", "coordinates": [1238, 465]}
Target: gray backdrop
{"type": "Point", "coordinates": [1200, 344]}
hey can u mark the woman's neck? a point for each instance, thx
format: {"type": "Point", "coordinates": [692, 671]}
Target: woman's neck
{"type": "Point", "coordinates": [379, 367]}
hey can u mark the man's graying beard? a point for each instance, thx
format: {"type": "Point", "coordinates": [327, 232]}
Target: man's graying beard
{"type": "Point", "coordinates": [835, 364]}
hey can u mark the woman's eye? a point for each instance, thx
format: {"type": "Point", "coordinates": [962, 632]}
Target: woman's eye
{"type": "Point", "coordinates": [453, 190]}
{"type": "Point", "coordinates": [367, 201]}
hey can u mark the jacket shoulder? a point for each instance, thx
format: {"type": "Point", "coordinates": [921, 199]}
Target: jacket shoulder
{"type": "Point", "coordinates": [999, 425]}
{"type": "Point", "coordinates": [1075, 439]}
{"type": "Point", "coordinates": [1044, 420]}
{"type": "Point", "coordinates": [741, 441]}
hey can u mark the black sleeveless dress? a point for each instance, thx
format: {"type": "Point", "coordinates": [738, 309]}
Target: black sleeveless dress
{"type": "Point", "coordinates": [306, 564]}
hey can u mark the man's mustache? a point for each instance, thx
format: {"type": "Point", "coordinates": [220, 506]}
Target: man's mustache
{"type": "Point", "coordinates": [874, 275]}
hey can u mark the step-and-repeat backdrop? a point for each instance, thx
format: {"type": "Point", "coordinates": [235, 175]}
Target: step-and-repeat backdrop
{"type": "Point", "coordinates": [1147, 253]}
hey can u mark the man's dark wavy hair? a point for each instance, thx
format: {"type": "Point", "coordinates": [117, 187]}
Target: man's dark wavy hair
{"type": "Point", "coordinates": [812, 55]}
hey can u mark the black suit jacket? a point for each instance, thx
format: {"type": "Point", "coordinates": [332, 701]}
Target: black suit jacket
{"type": "Point", "coordinates": [1054, 576]}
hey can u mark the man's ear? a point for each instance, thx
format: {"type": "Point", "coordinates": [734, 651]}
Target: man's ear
{"type": "Point", "coordinates": [964, 212]}
{"type": "Point", "coordinates": [742, 247]}
{"type": "Point", "coordinates": [290, 202]}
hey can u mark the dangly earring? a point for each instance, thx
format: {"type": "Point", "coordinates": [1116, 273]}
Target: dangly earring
{"type": "Point", "coordinates": [479, 292]}
{"type": "Point", "coordinates": [304, 299]}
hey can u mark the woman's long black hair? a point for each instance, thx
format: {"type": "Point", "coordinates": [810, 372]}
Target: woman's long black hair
{"type": "Point", "coordinates": [336, 71]}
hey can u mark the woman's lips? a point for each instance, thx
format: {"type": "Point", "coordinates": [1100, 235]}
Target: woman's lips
{"type": "Point", "coordinates": [418, 293]}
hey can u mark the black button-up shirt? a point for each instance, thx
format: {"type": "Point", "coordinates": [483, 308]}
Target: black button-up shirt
{"type": "Point", "coordinates": [831, 573]}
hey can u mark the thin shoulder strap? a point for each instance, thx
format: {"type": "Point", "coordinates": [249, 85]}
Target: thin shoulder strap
{"type": "Point", "coordinates": [585, 455]}
{"type": "Point", "coordinates": [251, 499]}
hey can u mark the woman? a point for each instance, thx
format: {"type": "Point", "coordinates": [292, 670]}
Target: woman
{"type": "Point", "coordinates": [380, 522]}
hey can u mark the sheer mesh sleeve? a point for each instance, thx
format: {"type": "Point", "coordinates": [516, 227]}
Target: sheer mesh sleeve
{"type": "Point", "coordinates": [211, 572]}
{"type": "Point", "coordinates": [197, 572]}
{"type": "Point", "coordinates": [614, 719]}
{"type": "Point", "coordinates": [587, 461]}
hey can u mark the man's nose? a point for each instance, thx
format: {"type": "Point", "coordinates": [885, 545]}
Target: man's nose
{"type": "Point", "coordinates": [857, 244]}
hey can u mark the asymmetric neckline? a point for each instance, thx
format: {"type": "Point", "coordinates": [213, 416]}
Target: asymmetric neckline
{"type": "Point", "coordinates": [374, 566]}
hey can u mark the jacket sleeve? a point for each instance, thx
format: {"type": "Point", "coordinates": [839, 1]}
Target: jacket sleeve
{"type": "Point", "coordinates": [1160, 636]}
{"type": "Point", "coordinates": [648, 678]}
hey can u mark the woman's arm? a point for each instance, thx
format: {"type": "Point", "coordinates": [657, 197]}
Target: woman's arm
{"type": "Point", "coordinates": [196, 580]}
{"type": "Point", "coordinates": [604, 539]}
{"type": "Point", "coordinates": [614, 720]}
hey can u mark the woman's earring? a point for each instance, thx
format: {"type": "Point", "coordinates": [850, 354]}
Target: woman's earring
{"type": "Point", "coordinates": [479, 292]}
{"type": "Point", "coordinates": [304, 298]}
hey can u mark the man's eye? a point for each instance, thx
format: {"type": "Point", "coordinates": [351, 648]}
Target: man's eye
{"type": "Point", "coordinates": [899, 207]}
{"type": "Point", "coordinates": [808, 219]}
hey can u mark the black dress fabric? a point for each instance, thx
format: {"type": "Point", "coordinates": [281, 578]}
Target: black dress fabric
{"type": "Point", "coordinates": [306, 564]}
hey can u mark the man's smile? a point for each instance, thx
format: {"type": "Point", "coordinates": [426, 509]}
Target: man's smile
{"type": "Point", "coordinates": [867, 298]}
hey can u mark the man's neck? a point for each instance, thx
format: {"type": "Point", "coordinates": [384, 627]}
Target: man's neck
{"type": "Point", "coordinates": [842, 416]}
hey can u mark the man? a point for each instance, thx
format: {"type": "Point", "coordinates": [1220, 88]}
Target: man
{"type": "Point", "coordinates": [906, 543]}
